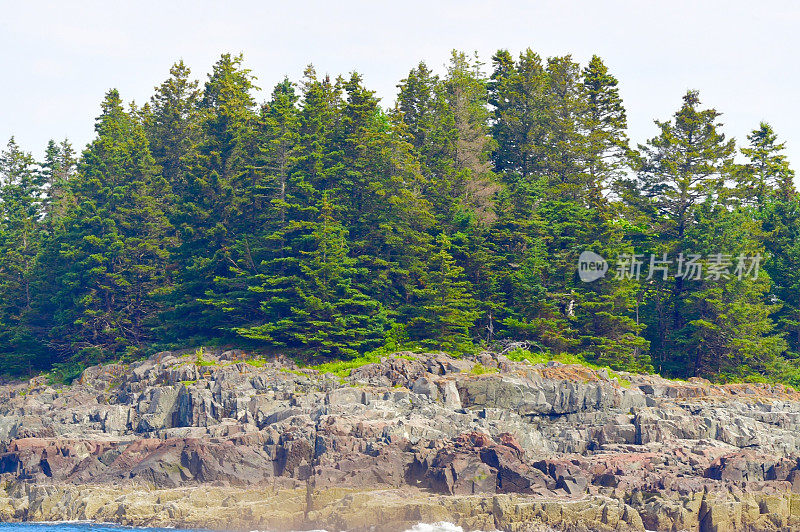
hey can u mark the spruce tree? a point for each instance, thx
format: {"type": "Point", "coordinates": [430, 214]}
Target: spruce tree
{"type": "Point", "coordinates": [113, 246]}
{"type": "Point", "coordinates": [766, 185]}
{"type": "Point", "coordinates": [267, 212]}
{"type": "Point", "coordinates": [21, 232]}
{"type": "Point", "coordinates": [683, 176]}
{"type": "Point", "coordinates": [767, 174]}
{"type": "Point", "coordinates": [729, 332]}
{"type": "Point", "coordinates": [605, 125]}
{"type": "Point", "coordinates": [517, 95]}
{"type": "Point", "coordinates": [173, 126]}
{"type": "Point", "coordinates": [58, 169]}
{"type": "Point", "coordinates": [207, 218]}
{"type": "Point", "coordinates": [327, 315]}
{"type": "Point", "coordinates": [475, 185]}
{"type": "Point", "coordinates": [446, 309]}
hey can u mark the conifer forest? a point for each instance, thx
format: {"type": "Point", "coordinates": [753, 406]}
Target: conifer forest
{"type": "Point", "coordinates": [311, 219]}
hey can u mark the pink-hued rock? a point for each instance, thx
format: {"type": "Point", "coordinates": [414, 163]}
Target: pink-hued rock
{"type": "Point", "coordinates": [673, 453]}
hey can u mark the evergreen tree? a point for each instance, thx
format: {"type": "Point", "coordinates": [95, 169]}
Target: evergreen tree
{"type": "Point", "coordinates": [424, 118]}
{"type": "Point", "coordinates": [781, 222]}
{"type": "Point", "coordinates": [467, 98]}
{"type": "Point", "coordinates": [317, 221]}
{"type": "Point", "coordinates": [766, 185]}
{"type": "Point", "coordinates": [173, 126]}
{"type": "Point", "coordinates": [683, 175]}
{"type": "Point", "coordinates": [605, 125]}
{"type": "Point", "coordinates": [565, 142]}
{"type": "Point", "coordinates": [446, 308]}
{"type": "Point", "coordinates": [114, 243]}
{"type": "Point", "coordinates": [266, 211]}
{"type": "Point", "coordinates": [517, 94]}
{"type": "Point", "coordinates": [767, 174]}
{"type": "Point", "coordinates": [328, 316]}
{"type": "Point", "coordinates": [728, 331]}
{"type": "Point", "coordinates": [21, 192]}
{"type": "Point", "coordinates": [378, 184]}
{"type": "Point", "coordinates": [208, 217]}
{"type": "Point", "coordinates": [686, 164]}
{"type": "Point", "coordinates": [417, 107]}
{"type": "Point", "coordinates": [58, 169]}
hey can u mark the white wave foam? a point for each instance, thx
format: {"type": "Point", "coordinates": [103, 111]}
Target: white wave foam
{"type": "Point", "coordinates": [436, 527]}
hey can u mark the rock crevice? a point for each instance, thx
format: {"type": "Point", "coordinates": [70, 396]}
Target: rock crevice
{"type": "Point", "coordinates": [516, 446]}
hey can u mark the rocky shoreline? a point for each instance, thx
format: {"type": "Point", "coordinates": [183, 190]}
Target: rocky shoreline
{"type": "Point", "coordinates": [225, 443]}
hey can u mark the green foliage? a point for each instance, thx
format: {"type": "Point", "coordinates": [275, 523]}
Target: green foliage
{"type": "Point", "coordinates": [480, 369]}
{"type": "Point", "coordinates": [543, 357]}
{"type": "Point", "coordinates": [65, 372]}
{"type": "Point", "coordinates": [199, 359]}
{"type": "Point", "coordinates": [259, 362]}
{"type": "Point", "coordinates": [320, 225]}
{"type": "Point", "coordinates": [330, 316]}
{"type": "Point", "coordinates": [113, 246]}
{"type": "Point", "coordinates": [446, 309]}
{"type": "Point", "coordinates": [342, 368]}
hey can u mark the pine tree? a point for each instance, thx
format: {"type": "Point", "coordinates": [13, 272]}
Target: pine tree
{"type": "Point", "coordinates": [21, 193]}
{"type": "Point", "coordinates": [446, 308]}
{"type": "Point", "coordinates": [328, 316]}
{"type": "Point", "coordinates": [114, 243]}
{"type": "Point", "coordinates": [288, 234]}
{"type": "Point", "coordinates": [315, 222]}
{"type": "Point", "coordinates": [767, 174]}
{"type": "Point", "coordinates": [605, 125]}
{"type": "Point", "coordinates": [417, 107]}
{"type": "Point", "coordinates": [423, 116]}
{"type": "Point", "coordinates": [208, 217]}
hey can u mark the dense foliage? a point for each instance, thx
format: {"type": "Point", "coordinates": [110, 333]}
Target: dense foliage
{"type": "Point", "coordinates": [321, 224]}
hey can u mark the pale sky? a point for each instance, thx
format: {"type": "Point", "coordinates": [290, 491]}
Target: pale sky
{"type": "Point", "coordinates": [59, 58]}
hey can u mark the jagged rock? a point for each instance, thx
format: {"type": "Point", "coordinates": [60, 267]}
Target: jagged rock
{"type": "Point", "coordinates": [559, 446]}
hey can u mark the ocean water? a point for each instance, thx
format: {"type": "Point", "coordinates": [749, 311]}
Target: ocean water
{"type": "Point", "coordinates": [93, 527]}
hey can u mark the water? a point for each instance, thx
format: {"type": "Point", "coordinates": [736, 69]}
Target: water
{"type": "Point", "coordinates": [75, 527]}
{"type": "Point", "coordinates": [94, 527]}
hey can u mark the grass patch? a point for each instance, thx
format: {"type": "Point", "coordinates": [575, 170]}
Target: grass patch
{"type": "Point", "coordinates": [396, 340]}
{"type": "Point", "coordinates": [293, 372]}
{"type": "Point", "coordinates": [343, 368]}
{"type": "Point", "coordinates": [259, 362]}
{"type": "Point", "coordinates": [520, 355]}
{"type": "Point", "coordinates": [480, 369]}
{"type": "Point", "coordinates": [625, 383]}
{"type": "Point", "coordinates": [200, 359]}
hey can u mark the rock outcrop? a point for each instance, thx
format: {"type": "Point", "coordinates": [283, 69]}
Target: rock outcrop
{"type": "Point", "coordinates": [230, 444]}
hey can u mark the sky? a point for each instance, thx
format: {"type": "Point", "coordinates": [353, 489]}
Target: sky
{"type": "Point", "coordinates": [59, 58]}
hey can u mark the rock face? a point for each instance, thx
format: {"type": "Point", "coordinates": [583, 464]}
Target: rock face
{"type": "Point", "coordinates": [412, 438]}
